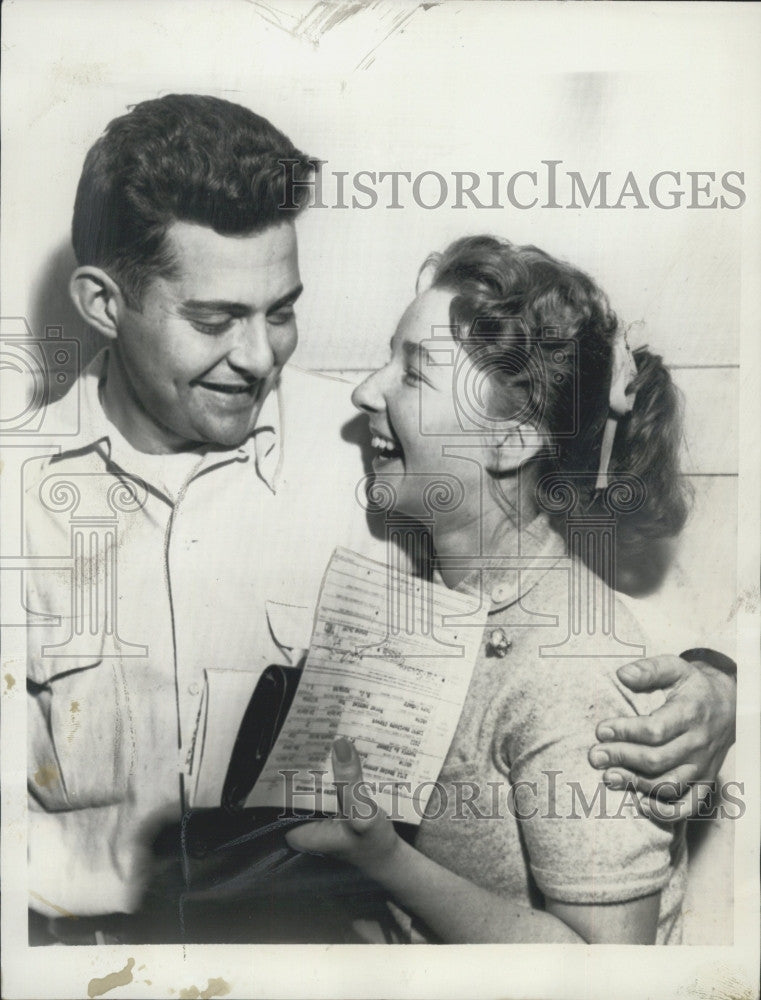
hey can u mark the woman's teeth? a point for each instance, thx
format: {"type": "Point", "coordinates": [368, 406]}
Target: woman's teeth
{"type": "Point", "coordinates": [385, 446]}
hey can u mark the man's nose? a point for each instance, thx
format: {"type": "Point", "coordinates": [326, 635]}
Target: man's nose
{"type": "Point", "coordinates": [252, 351]}
{"type": "Point", "coordinates": [368, 396]}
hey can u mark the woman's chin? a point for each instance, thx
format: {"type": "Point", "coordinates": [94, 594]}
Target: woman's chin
{"type": "Point", "coordinates": [388, 464]}
{"type": "Point", "coordinates": [391, 486]}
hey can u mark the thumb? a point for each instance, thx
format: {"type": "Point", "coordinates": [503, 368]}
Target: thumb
{"type": "Point", "coordinates": [654, 673]}
{"type": "Point", "coordinates": [347, 771]}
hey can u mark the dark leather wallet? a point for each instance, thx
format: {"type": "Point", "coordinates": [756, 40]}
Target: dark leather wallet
{"type": "Point", "coordinates": [259, 728]}
{"type": "Point", "coordinates": [227, 875]}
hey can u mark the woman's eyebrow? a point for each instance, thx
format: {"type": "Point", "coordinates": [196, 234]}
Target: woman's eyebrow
{"type": "Point", "coordinates": [415, 351]}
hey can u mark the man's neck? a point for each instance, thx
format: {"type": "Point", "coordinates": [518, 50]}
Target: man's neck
{"type": "Point", "coordinates": [125, 411]}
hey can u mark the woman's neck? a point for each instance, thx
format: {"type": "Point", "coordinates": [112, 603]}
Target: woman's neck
{"type": "Point", "coordinates": [460, 547]}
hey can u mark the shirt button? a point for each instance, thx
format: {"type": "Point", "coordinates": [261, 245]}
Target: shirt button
{"type": "Point", "coordinates": [193, 688]}
{"type": "Point", "coordinates": [498, 594]}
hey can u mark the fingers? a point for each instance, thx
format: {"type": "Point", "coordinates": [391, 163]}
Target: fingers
{"type": "Point", "coordinates": [309, 838]}
{"type": "Point", "coordinates": [653, 673]}
{"type": "Point", "coordinates": [361, 833]}
{"type": "Point", "coordinates": [355, 800]}
{"type": "Point", "coordinates": [671, 720]}
{"type": "Point", "coordinates": [665, 787]}
{"type": "Point", "coordinates": [668, 812]}
{"type": "Point", "coordinates": [347, 771]}
{"type": "Point", "coordinates": [644, 760]}
{"type": "Point", "coordinates": [696, 802]}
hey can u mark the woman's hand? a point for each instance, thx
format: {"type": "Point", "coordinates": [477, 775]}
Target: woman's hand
{"type": "Point", "coordinates": [683, 742]}
{"type": "Point", "coordinates": [454, 909]}
{"type": "Point", "coordinates": [362, 834]}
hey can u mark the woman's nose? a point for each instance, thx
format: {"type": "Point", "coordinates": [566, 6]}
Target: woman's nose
{"type": "Point", "coordinates": [368, 395]}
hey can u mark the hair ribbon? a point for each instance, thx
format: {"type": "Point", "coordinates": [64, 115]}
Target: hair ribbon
{"type": "Point", "coordinates": [620, 402]}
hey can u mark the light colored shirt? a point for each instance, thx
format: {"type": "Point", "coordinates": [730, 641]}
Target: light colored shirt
{"type": "Point", "coordinates": [520, 810]}
{"type": "Point", "coordinates": [151, 569]}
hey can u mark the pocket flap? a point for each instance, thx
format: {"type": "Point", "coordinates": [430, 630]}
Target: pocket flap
{"type": "Point", "coordinates": [46, 663]}
{"type": "Point", "coordinates": [47, 669]}
{"type": "Point", "coordinates": [290, 624]}
{"type": "Point", "coordinates": [81, 736]}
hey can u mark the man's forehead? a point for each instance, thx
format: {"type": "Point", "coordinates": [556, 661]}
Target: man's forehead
{"type": "Point", "coordinates": [194, 246]}
{"type": "Point", "coordinates": [215, 267]}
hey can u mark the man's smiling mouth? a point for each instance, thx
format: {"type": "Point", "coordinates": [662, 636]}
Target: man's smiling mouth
{"type": "Point", "coordinates": [231, 389]}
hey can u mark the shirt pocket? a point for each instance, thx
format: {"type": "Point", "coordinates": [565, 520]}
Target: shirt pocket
{"type": "Point", "coordinates": [81, 735]}
{"type": "Point", "coordinates": [291, 628]}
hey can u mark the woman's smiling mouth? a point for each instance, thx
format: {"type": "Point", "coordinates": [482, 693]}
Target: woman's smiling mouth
{"type": "Point", "coordinates": [385, 447]}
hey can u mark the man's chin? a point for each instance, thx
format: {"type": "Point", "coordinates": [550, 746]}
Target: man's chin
{"type": "Point", "coordinates": [220, 437]}
{"type": "Point", "coordinates": [227, 441]}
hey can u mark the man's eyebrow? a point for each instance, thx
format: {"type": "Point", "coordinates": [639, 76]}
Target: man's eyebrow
{"type": "Point", "coordinates": [214, 306]}
{"type": "Point", "coordinates": [236, 308]}
{"type": "Point", "coordinates": [286, 300]}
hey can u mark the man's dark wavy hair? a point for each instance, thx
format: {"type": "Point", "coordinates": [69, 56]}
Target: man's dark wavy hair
{"type": "Point", "coordinates": [183, 157]}
{"type": "Point", "coordinates": [496, 282]}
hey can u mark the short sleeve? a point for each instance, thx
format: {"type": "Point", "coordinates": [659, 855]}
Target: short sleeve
{"type": "Point", "coordinates": [586, 843]}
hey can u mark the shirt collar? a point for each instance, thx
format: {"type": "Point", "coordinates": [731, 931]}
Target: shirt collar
{"type": "Point", "coordinates": [96, 431]}
{"type": "Point", "coordinates": [267, 439]}
{"type": "Point", "coordinates": [504, 580]}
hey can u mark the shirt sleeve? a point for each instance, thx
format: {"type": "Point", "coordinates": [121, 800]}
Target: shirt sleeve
{"type": "Point", "coordinates": [586, 843]}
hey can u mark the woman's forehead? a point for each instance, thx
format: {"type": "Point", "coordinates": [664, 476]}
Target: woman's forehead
{"type": "Point", "coordinates": [426, 318]}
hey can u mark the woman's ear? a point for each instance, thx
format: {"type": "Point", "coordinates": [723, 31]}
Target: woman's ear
{"type": "Point", "coordinates": [510, 450]}
{"type": "Point", "coordinates": [425, 278]}
{"type": "Point", "coordinates": [97, 298]}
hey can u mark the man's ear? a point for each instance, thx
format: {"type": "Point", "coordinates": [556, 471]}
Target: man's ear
{"type": "Point", "coordinates": [512, 448]}
{"type": "Point", "coordinates": [98, 299]}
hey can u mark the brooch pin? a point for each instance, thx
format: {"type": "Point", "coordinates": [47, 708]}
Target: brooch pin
{"type": "Point", "coordinates": [497, 644]}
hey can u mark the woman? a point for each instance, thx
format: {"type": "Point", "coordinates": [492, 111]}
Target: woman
{"type": "Point", "coordinates": [510, 372]}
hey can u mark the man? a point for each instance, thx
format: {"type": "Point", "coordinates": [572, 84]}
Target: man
{"type": "Point", "coordinates": [187, 521]}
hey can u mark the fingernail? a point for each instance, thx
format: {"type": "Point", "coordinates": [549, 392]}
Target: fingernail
{"type": "Point", "coordinates": [605, 733]}
{"type": "Point", "coordinates": [343, 750]}
{"type": "Point", "coordinates": [631, 672]}
{"type": "Point", "coordinates": [599, 758]}
{"type": "Point", "coordinates": [613, 780]}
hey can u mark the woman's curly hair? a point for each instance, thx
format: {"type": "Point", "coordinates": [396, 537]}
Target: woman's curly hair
{"type": "Point", "coordinates": [545, 331]}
